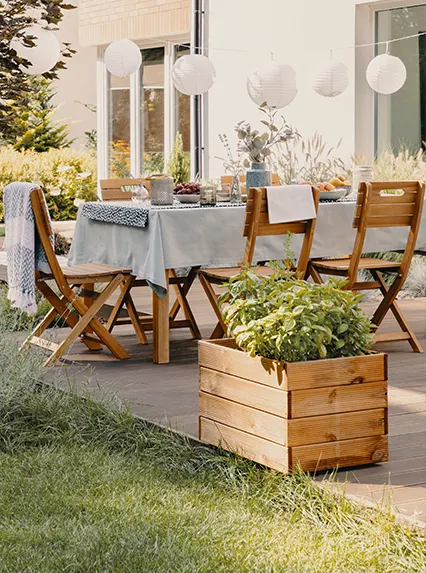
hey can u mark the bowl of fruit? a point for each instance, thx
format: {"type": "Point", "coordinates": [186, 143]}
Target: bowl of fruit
{"type": "Point", "coordinates": [334, 190]}
{"type": "Point", "coordinates": [187, 192]}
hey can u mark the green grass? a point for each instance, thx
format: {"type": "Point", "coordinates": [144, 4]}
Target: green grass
{"type": "Point", "coordinates": [86, 487]}
{"type": "Point", "coordinates": [2, 231]}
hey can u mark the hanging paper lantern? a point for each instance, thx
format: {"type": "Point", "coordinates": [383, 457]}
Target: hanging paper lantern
{"type": "Point", "coordinates": [274, 84]}
{"type": "Point", "coordinates": [122, 58]}
{"type": "Point", "coordinates": [44, 55]}
{"type": "Point", "coordinates": [386, 74]}
{"type": "Point", "coordinates": [330, 78]}
{"type": "Point", "coordinates": [193, 74]}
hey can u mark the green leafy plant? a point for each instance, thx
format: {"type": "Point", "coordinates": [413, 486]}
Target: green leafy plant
{"type": "Point", "coordinates": [290, 320]}
{"type": "Point", "coordinates": [309, 159]}
{"type": "Point", "coordinates": [179, 163]}
{"type": "Point", "coordinates": [66, 176]}
{"type": "Point", "coordinates": [33, 126]}
{"type": "Point", "coordinates": [258, 146]}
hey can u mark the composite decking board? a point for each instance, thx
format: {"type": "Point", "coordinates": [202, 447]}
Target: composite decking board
{"type": "Point", "coordinates": [170, 392]}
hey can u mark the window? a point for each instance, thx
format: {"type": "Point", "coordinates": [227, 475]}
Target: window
{"type": "Point", "coordinates": [400, 119]}
{"type": "Point", "coordinates": [119, 127]}
{"type": "Point", "coordinates": [152, 110]}
{"type": "Point", "coordinates": [183, 107]}
{"type": "Point", "coordinates": [141, 115]}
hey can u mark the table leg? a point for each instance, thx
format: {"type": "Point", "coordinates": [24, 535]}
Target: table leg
{"type": "Point", "coordinates": [160, 326]}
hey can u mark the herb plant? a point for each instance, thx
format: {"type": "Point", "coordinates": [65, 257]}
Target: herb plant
{"type": "Point", "coordinates": [290, 320]}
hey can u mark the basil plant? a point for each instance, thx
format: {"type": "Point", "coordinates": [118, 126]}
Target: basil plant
{"type": "Point", "coordinates": [291, 320]}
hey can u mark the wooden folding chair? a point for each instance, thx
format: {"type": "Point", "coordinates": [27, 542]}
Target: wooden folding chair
{"type": "Point", "coordinates": [257, 225]}
{"type": "Point", "coordinates": [227, 180]}
{"type": "Point", "coordinates": [377, 208]}
{"type": "Point", "coordinates": [112, 191]}
{"type": "Point", "coordinates": [86, 325]}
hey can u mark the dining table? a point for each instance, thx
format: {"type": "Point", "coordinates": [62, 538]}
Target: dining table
{"type": "Point", "coordinates": [152, 240]}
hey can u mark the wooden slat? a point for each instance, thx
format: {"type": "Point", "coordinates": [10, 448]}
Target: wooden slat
{"type": "Point", "coordinates": [336, 427]}
{"type": "Point", "coordinates": [223, 355]}
{"type": "Point", "coordinates": [388, 209]}
{"type": "Point", "coordinates": [292, 376]}
{"type": "Point", "coordinates": [387, 221]}
{"type": "Point", "coordinates": [252, 447]}
{"type": "Point", "coordinates": [336, 372]}
{"type": "Point", "coordinates": [244, 392]}
{"type": "Point", "coordinates": [256, 422]}
{"type": "Point", "coordinates": [342, 454]}
{"type": "Point", "coordinates": [391, 337]}
{"type": "Point", "coordinates": [42, 343]}
{"type": "Point", "coordinates": [323, 401]}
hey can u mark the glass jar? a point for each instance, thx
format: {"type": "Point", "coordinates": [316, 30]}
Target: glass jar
{"type": "Point", "coordinates": [361, 174]}
{"type": "Point", "coordinates": [208, 194]}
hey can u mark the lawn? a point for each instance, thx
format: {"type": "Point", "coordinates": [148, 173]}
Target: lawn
{"type": "Point", "coordinates": [86, 487]}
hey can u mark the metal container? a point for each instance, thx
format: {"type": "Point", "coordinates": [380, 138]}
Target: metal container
{"type": "Point", "coordinates": [161, 189]}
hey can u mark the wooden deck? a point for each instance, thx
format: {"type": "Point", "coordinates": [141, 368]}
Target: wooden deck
{"type": "Point", "coordinates": [167, 394]}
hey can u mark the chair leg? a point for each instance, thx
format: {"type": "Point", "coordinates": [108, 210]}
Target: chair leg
{"type": "Point", "coordinates": [134, 317]}
{"type": "Point", "coordinates": [382, 310]}
{"type": "Point", "coordinates": [59, 308]}
{"type": "Point", "coordinates": [211, 295]}
{"type": "Point", "coordinates": [88, 318]}
{"type": "Point", "coordinates": [316, 277]}
{"type": "Point", "coordinates": [181, 293]}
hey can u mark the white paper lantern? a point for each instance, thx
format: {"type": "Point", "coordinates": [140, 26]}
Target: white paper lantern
{"type": "Point", "coordinates": [44, 55]}
{"type": "Point", "coordinates": [386, 74]}
{"type": "Point", "coordinates": [193, 74]}
{"type": "Point", "coordinates": [330, 78]}
{"type": "Point", "coordinates": [122, 58]}
{"type": "Point", "coordinates": [274, 84]}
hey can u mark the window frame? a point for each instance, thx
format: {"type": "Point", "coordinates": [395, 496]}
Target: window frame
{"type": "Point", "coordinates": [103, 94]}
{"type": "Point", "coordinates": [365, 104]}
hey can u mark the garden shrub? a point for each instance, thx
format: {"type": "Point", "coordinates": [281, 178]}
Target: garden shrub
{"type": "Point", "coordinates": [64, 175]}
{"type": "Point", "coordinates": [290, 320]}
{"type": "Point", "coordinates": [13, 320]}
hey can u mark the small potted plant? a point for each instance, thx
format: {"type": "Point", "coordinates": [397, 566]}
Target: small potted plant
{"type": "Point", "coordinates": [297, 385]}
{"type": "Point", "coordinates": [258, 146]}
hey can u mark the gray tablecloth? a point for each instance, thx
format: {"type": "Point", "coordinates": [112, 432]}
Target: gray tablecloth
{"type": "Point", "coordinates": [213, 236]}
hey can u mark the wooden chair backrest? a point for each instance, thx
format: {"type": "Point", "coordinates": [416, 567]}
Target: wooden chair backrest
{"type": "Point", "coordinates": [227, 180]}
{"type": "Point", "coordinates": [44, 230]}
{"type": "Point", "coordinates": [376, 208]}
{"type": "Point", "coordinates": [112, 188]}
{"type": "Point", "coordinates": [257, 225]}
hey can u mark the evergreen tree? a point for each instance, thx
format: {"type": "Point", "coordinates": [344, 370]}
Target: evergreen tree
{"type": "Point", "coordinates": [15, 16]}
{"type": "Point", "coordinates": [34, 126]}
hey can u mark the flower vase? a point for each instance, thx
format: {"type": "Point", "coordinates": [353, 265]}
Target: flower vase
{"type": "Point", "coordinates": [235, 190]}
{"type": "Point", "coordinates": [258, 176]}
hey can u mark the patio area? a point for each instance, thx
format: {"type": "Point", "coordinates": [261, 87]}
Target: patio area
{"type": "Point", "coordinates": [167, 394]}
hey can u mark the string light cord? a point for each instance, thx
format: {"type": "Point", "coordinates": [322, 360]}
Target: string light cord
{"type": "Point", "coordinates": [353, 47]}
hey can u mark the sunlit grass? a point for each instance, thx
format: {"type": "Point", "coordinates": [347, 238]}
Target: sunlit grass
{"type": "Point", "coordinates": [84, 486]}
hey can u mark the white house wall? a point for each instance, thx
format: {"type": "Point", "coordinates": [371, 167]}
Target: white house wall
{"type": "Point", "coordinates": [299, 33]}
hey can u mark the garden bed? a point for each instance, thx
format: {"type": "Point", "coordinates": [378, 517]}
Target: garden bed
{"type": "Point", "coordinates": [313, 415]}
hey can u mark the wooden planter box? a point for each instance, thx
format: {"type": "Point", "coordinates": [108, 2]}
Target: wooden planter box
{"type": "Point", "coordinates": [314, 415]}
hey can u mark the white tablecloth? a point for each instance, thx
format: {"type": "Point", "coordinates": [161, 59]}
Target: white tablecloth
{"type": "Point", "coordinates": [213, 236]}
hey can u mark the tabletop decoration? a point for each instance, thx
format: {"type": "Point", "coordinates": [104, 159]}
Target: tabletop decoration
{"type": "Point", "coordinates": [161, 189]}
{"type": "Point", "coordinates": [258, 146]}
{"type": "Point", "coordinates": [234, 167]}
{"type": "Point", "coordinates": [208, 193]}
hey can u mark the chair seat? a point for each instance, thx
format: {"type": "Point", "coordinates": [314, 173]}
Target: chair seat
{"type": "Point", "coordinates": [226, 274]}
{"type": "Point", "coordinates": [364, 263]}
{"type": "Point", "coordinates": [89, 271]}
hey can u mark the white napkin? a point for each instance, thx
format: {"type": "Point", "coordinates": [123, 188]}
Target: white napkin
{"type": "Point", "coordinates": [290, 203]}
